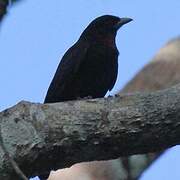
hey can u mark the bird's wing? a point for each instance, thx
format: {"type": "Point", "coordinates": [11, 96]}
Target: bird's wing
{"type": "Point", "coordinates": [68, 66]}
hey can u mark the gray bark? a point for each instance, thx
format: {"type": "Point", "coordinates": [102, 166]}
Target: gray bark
{"type": "Point", "coordinates": [163, 71]}
{"type": "Point", "coordinates": [41, 137]}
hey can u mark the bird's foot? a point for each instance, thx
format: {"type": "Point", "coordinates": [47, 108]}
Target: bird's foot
{"type": "Point", "coordinates": [87, 97]}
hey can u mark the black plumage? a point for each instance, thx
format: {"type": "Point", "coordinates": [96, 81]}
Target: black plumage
{"type": "Point", "coordinates": [89, 67]}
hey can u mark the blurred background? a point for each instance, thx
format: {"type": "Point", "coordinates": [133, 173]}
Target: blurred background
{"type": "Point", "coordinates": [35, 34]}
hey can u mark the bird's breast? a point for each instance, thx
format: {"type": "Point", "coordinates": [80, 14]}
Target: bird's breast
{"type": "Point", "coordinates": [96, 70]}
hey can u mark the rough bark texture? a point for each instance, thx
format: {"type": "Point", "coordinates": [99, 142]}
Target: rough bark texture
{"type": "Point", "coordinates": [62, 134]}
{"type": "Point", "coordinates": [160, 73]}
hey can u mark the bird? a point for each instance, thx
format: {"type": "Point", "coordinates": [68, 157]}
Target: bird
{"type": "Point", "coordinates": [89, 68]}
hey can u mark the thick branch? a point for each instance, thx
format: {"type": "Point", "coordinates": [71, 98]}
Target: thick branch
{"type": "Point", "coordinates": [60, 134]}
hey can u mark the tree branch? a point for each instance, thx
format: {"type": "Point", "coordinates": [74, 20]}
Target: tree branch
{"type": "Point", "coordinates": [13, 163]}
{"type": "Point", "coordinates": [162, 72]}
{"type": "Point", "coordinates": [61, 134]}
{"type": "Point", "coordinates": [3, 7]}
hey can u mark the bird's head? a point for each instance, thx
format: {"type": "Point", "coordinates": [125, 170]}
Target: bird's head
{"type": "Point", "coordinates": [104, 26]}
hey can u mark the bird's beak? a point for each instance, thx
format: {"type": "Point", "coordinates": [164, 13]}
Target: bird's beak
{"type": "Point", "coordinates": [122, 22]}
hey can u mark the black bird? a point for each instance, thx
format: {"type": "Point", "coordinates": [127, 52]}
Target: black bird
{"type": "Point", "coordinates": [89, 68]}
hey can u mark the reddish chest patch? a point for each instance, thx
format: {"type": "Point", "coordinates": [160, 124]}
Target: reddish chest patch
{"type": "Point", "coordinates": [109, 40]}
